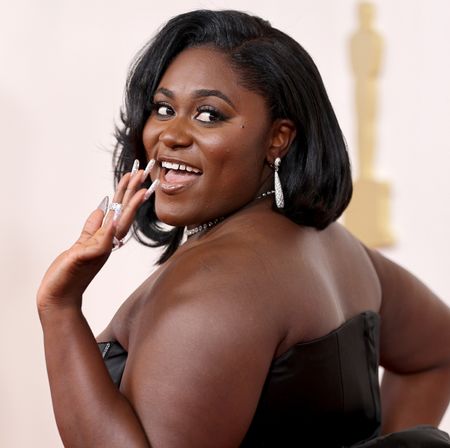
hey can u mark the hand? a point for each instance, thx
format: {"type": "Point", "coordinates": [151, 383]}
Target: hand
{"type": "Point", "coordinates": [71, 272]}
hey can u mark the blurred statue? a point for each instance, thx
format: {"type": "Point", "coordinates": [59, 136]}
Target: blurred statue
{"type": "Point", "coordinates": [366, 51]}
{"type": "Point", "coordinates": [368, 214]}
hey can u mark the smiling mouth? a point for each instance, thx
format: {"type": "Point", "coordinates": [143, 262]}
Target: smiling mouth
{"type": "Point", "coordinates": [180, 167]}
{"type": "Point", "coordinates": [176, 176]}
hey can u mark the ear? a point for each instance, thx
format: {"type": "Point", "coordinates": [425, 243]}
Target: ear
{"type": "Point", "coordinates": [283, 133]}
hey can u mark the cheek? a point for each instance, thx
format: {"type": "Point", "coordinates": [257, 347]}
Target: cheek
{"type": "Point", "coordinates": [149, 138]}
{"type": "Point", "coordinates": [237, 153]}
{"type": "Point", "coordinates": [232, 141]}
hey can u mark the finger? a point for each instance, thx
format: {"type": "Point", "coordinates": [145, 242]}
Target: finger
{"type": "Point", "coordinates": [92, 224]}
{"type": "Point", "coordinates": [95, 219]}
{"type": "Point", "coordinates": [134, 184]}
{"type": "Point", "coordinates": [99, 244]}
{"type": "Point", "coordinates": [118, 196]}
{"type": "Point", "coordinates": [129, 214]}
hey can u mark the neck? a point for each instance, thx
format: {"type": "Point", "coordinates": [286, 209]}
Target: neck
{"type": "Point", "coordinates": [202, 228]}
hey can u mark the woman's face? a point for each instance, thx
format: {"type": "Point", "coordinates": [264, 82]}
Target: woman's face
{"type": "Point", "coordinates": [210, 137]}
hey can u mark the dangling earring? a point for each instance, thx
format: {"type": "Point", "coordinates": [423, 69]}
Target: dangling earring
{"type": "Point", "coordinates": [279, 198]}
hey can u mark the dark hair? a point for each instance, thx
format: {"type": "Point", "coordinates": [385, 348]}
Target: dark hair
{"type": "Point", "coordinates": [315, 173]}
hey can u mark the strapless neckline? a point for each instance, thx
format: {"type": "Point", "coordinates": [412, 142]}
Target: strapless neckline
{"type": "Point", "coordinates": [351, 321]}
{"type": "Point", "coordinates": [320, 392]}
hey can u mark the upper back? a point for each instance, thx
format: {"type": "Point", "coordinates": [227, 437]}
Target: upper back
{"type": "Point", "coordinates": [304, 282]}
{"type": "Point", "coordinates": [309, 281]}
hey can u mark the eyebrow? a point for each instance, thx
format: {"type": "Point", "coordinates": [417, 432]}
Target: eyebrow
{"type": "Point", "coordinates": [201, 93]}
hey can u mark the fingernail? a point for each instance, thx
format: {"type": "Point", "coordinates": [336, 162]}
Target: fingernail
{"type": "Point", "coordinates": [148, 168]}
{"type": "Point", "coordinates": [104, 204]}
{"type": "Point", "coordinates": [135, 168]}
{"type": "Point", "coordinates": [151, 189]}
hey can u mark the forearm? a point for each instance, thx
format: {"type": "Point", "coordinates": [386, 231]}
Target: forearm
{"type": "Point", "coordinates": [90, 411]}
{"type": "Point", "coordinates": [416, 398]}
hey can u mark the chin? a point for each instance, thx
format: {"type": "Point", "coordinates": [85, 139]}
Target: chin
{"type": "Point", "coordinates": [170, 220]}
{"type": "Point", "coordinates": [172, 216]}
{"type": "Point", "coordinates": [183, 213]}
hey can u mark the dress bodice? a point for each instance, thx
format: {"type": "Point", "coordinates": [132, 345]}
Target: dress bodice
{"type": "Point", "coordinates": [321, 393]}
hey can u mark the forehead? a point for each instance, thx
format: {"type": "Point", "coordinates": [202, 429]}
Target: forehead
{"type": "Point", "coordinates": [209, 68]}
{"type": "Point", "coordinates": [203, 65]}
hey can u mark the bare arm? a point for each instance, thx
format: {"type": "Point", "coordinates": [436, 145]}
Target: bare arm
{"type": "Point", "coordinates": [414, 349]}
{"type": "Point", "coordinates": [198, 356]}
{"type": "Point", "coordinates": [90, 411]}
{"type": "Point", "coordinates": [201, 352]}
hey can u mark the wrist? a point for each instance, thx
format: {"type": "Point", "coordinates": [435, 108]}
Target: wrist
{"type": "Point", "coordinates": [49, 309]}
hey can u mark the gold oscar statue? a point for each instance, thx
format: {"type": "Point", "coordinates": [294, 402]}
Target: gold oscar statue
{"type": "Point", "coordinates": [368, 213]}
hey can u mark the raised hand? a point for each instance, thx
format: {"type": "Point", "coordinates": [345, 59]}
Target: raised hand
{"type": "Point", "coordinates": [71, 272]}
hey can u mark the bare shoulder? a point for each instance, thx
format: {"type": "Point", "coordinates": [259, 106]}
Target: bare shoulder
{"type": "Point", "coordinates": [203, 346]}
{"type": "Point", "coordinates": [226, 274]}
{"type": "Point", "coordinates": [293, 281]}
{"type": "Point", "coordinates": [243, 251]}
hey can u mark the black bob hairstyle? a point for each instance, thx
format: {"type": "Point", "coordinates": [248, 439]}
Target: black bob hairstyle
{"type": "Point", "coordinates": [315, 173]}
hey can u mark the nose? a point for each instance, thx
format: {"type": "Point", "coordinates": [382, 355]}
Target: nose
{"type": "Point", "coordinates": [176, 133]}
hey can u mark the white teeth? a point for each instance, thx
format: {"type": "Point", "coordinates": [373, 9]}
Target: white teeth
{"type": "Point", "coordinates": [180, 167]}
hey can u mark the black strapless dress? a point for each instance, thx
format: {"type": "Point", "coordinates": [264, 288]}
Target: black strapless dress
{"type": "Point", "coordinates": [320, 393]}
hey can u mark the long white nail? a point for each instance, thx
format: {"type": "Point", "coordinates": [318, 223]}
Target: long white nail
{"type": "Point", "coordinates": [151, 189]}
{"type": "Point", "coordinates": [135, 168]}
{"type": "Point", "coordinates": [148, 168]}
{"type": "Point", "coordinates": [104, 204]}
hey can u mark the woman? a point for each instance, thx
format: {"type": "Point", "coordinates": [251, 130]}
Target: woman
{"type": "Point", "coordinates": [263, 327]}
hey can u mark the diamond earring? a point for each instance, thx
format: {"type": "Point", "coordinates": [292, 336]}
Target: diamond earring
{"type": "Point", "coordinates": [279, 198]}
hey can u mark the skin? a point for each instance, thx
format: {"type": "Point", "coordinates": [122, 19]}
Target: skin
{"type": "Point", "coordinates": [202, 330]}
{"type": "Point", "coordinates": [230, 138]}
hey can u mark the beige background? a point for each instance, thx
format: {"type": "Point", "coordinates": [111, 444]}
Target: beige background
{"type": "Point", "coordinates": [62, 70]}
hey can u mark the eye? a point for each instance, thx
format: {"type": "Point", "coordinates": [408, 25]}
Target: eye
{"type": "Point", "coordinates": [163, 110]}
{"type": "Point", "coordinates": [208, 114]}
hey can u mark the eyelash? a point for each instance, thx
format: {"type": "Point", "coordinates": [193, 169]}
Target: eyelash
{"type": "Point", "coordinates": [215, 114]}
